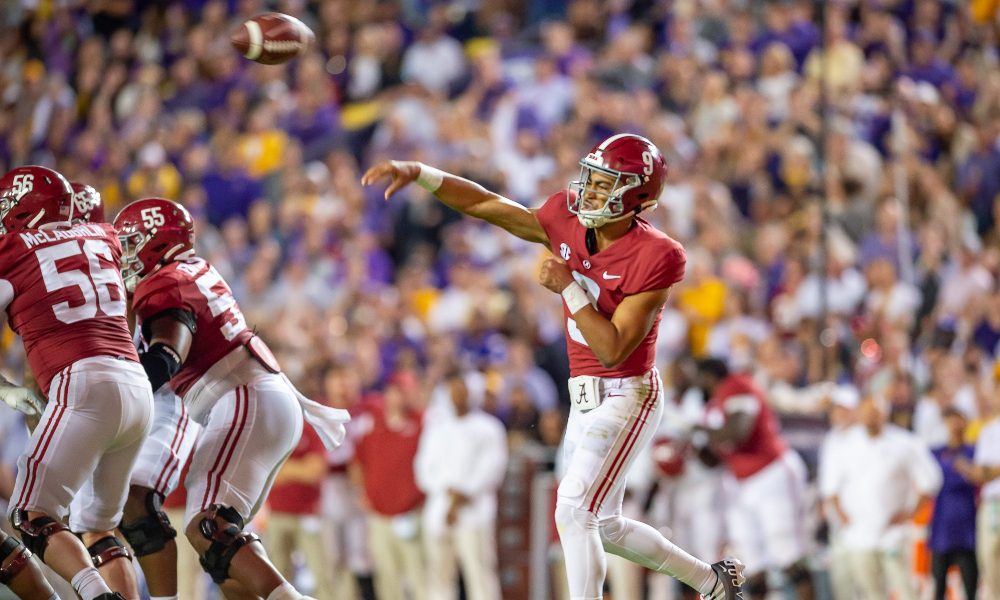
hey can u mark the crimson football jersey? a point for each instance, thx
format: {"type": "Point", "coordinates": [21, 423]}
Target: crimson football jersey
{"type": "Point", "coordinates": [644, 259]}
{"type": "Point", "coordinates": [195, 287]}
{"type": "Point", "coordinates": [764, 444]}
{"type": "Point", "coordinates": [63, 293]}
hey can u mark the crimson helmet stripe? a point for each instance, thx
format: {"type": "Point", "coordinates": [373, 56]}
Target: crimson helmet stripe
{"type": "Point", "coordinates": [604, 145]}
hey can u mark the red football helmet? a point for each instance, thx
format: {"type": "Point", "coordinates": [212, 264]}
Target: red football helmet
{"type": "Point", "coordinates": [638, 172]}
{"type": "Point", "coordinates": [669, 456]}
{"type": "Point", "coordinates": [34, 195]}
{"type": "Point", "coordinates": [153, 232]}
{"type": "Point", "coordinates": [87, 204]}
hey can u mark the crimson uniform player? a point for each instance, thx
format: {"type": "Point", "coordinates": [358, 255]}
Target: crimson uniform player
{"type": "Point", "coordinates": [614, 272]}
{"type": "Point", "coordinates": [63, 293]}
{"type": "Point", "coordinates": [765, 478]}
{"type": "Point", "coordinates": [157, 470]}
{"type": "Point", "coordinates": [197, 339]}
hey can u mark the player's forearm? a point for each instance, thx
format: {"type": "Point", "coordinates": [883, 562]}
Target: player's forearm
{"type": "Point", "coordinates": [459, 193]}
{"type": "Point", "coordinates": [603, 338]}
{"type": "Point", "coordinates": [734, 430]}
{"type": "Point", "coordinates": [472, 199]}
{"type": "Point", "coordinates": [981, 474]}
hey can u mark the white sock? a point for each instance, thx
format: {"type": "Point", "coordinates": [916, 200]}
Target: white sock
{"type": "Point", "coordinates": [646, 546]}
{"type": "Point", "coordinates": [174, 597]}
{"type": "Point", "coordinates": [89, 584]}
{"type": "Point", "coordinates": [284, 591]}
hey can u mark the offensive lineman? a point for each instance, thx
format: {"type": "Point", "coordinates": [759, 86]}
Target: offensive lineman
{"type": "Point", "coordinates": [614, 274]}
{"type": "Point", "coordinates": [157, 469]}
{"type": "Point", "coordinates": [61, 286]}
{"type": "Point", "coordinates": [18, 569]}
{"type": "Point", "coordinates": [196, 338]}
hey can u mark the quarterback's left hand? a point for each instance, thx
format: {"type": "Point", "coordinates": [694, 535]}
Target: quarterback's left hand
{"type": "Point", "coordinates": [555, 275]}
{"type": "Point", "coordinates": [22, 399]}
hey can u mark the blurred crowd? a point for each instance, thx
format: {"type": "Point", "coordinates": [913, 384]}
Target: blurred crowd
{"type": "Point", "coordinates": [840, 207]}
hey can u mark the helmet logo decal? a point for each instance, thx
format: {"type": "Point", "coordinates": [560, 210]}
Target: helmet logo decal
{"type": "Point", "coordinates": [564, 251]}
{"type": "Point", "coordinates": [23, 183]}
{"type": "Point", "coordinates": [82, 202]}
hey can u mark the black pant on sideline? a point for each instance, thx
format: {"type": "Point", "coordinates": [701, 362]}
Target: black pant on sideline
{"type": "Point", "coordinates": [966, 562]}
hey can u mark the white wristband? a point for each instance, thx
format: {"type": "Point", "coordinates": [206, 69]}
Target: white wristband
{"type": "Point", "coordinates": [430, 178]}
{"type": "Point", "coordinates": [576, 298]}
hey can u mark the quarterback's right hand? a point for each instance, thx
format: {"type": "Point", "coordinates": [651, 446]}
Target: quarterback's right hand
{"type": "Point", "coordinates": [22, 399]}
{"type": "Point", "coordinates": [401, 172]}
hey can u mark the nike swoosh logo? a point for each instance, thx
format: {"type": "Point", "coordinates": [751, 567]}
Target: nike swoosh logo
{"type": "Point", "coordinates": [606, 276]}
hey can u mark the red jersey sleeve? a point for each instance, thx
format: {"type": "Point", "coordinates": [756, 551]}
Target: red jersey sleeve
{"type": "Point", "coordinates": [659, 268]}
{"type": "Point", "coordinates": [165, 293]}
{"type": "Point", "coordinates": [553, 214]}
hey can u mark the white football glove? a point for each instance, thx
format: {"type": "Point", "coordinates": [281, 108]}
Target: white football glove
{"type": "Point", "coordinates": [22, 399]}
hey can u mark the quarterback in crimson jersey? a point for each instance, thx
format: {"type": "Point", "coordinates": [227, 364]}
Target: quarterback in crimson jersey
{"type": "Point", "coordinates": [767, 479]}
{"type": "Point", "coordinates": [63, 294]}
{"type": "Point", "coordinates": [196, 339]}
{"type": "Point", "coordinates": [614, 272]}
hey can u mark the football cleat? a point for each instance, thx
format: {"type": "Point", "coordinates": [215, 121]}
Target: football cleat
{"type": "Point", "coordinates": [730, 583]}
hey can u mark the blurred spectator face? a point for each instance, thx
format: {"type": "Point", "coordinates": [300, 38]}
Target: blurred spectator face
{"type": "Point", "coordinates": [948, 376]}
{"type": "Point", "coordinates": [342, 387]}
{"type": "Point", "coordinates": [955, 422]}
{"type": "Point", "coordinates": [841, 416]}
{"type": "Point", "coordinates": [394, 400]}
{"type": "Point", "coordinates": [922, 50]}
{"type": "Point", "coordinates": [796, 164]}
{"type": "Point", "coordinates": [776, 60]}
{"type": "Point", "coordinates": [520, 356]}
{"type": "Point", "coordinates": [900, 391]}
{"type": "Point", "coordinates": [888, 217]}
{"type": "Point", "coordinates": [881, 273]}
{"type": "Point", "coordinates": [459, 393]}
{"type": "Point", "coordinates": [234, 233]}
{"type": "Point", "coordinates": [873, 412]}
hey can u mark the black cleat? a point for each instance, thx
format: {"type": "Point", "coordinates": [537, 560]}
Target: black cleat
{"type": "Point", "coordinates": [730, 583]}
{"type": "Point", "coordinates": [110, 596]}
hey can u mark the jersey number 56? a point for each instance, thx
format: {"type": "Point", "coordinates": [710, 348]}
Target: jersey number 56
{"type": "Point", "coordinates": [94, 283]}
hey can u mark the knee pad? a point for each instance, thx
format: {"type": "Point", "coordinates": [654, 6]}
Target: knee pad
{"type": "Point", "coordinates": [613, 529]}
{"type": "Point", "coordinates": [107, 549]}
{"type": "Point", "coordinates": [149, 534]}
{"type": "Point", "coordinates": [576, 519]}
{"type": "Point", "coordinates": [798, 573]}
{"type": "Point", "coordinates": [16, 557]}
{"type": "Point", "coordinates": [36, 533]}
{"type": "Point", "coordinates": [223, 526]}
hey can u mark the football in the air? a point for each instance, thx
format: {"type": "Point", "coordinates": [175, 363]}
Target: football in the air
{"type": "Point", "coordinates": [272, 38]}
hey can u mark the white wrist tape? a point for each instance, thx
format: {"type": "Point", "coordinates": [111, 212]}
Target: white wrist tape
{"type": "Point", "coordinates": [576, 298]}
{"type": "Point", "coordinates": [430, 178]}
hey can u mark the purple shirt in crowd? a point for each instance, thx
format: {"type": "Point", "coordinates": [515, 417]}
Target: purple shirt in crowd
{"type": "Point", "coordinates": [953, 524]}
